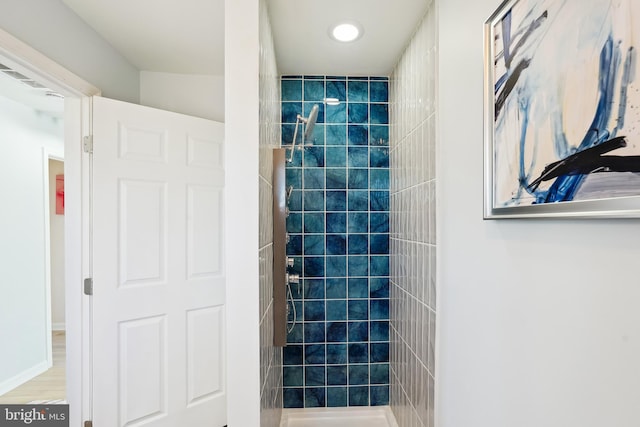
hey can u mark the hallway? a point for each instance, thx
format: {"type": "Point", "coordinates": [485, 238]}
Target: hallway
{"type": "Point", "coordinates": [47, 386]}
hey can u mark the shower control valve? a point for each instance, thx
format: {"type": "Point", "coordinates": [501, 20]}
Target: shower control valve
{"type": "Point", "coordinates": [290, 262]}
{"type": "Point", "coordinates": [293, 279]}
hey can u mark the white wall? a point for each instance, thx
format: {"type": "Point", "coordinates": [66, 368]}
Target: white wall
{"type": "Point", "coordinates": [24, 133]}
{"type": "Point", "coordinates": [242, 99]}
{"type": "Point", "coordinates": [195, 95]}
{"type": "Point", "coordinates": [539, 321]}
{"type": "Point", "coordinates": [53, 29]}
{"type": "Point", "coordinates": [56, 243]}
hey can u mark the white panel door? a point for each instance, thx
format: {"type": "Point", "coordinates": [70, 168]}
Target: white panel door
{"type": "Point", "coordinates": [159, 285]}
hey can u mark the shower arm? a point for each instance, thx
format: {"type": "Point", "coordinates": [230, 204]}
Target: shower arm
{"type": "Point", "coordinates": [295, 136]}
{"type": "Point", "coordinates": [309, 121]}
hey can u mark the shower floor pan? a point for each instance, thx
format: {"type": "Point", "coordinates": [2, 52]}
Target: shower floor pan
{"type": "Point", "coordinates": [379, 416]}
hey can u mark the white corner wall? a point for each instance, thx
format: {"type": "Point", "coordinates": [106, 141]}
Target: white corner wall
{"type": "Point", "coordinates": [195, 95]}
{"type": "Point", "coordinates": [242, 99]}
{"type": "Point", "coordinates": [27, 137]}
{"type": "Point", "coordinates": [539, 320]}
{"type": "Point", "coordinates": [57, 32]}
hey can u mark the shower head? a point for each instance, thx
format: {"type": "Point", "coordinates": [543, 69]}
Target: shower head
{"type": "Point", "coordinates": [310, 122]}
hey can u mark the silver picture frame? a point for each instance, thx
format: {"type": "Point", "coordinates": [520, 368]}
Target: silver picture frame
{"type": "Point", "coordinates": [562, 110]}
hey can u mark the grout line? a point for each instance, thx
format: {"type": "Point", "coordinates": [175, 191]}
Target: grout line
{"type": "Point", "coordinates": [399, 384]}
{"type": "Point", "coordinates": [433, 245]}
{"type": "Point", "coordinates": [411, 350]}
{"type": "Point", "coordinates": [391, 282]}
{"type": "Point", "coordinates": [266, 311]}
{"type": "Point", "coordinates": [265, 246]}
{"type": "Point", "coordinates": [411, 187]}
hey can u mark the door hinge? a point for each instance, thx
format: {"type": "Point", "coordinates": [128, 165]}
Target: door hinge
{"type": "Point", "coordinates": [87, 144]}
{"type": "Point", "coordinates": [88, 286]}
{"type": "Point", "coordinates": [88, 424]}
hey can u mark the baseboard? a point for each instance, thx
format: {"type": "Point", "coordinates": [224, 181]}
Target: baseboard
{"type": "Point", "coordinates": [58, 326]}
{"type": "Point", "coordinates": [23, 377]}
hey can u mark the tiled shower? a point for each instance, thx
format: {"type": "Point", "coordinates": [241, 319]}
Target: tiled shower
{"type": "Point", "coordinates": [362, 235]}
{"type": "Point", "coordinates": [338, 350]}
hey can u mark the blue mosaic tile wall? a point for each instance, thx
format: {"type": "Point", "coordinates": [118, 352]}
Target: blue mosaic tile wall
{"type": "Point", "coordinates": [338, 351]}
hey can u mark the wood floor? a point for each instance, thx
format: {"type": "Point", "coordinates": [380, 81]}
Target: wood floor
{"type": "Point", "coordinates": [49, 385]}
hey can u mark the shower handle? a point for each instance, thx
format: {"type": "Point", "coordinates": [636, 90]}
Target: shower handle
{"type": "Point", "coordinates": [292, 279]}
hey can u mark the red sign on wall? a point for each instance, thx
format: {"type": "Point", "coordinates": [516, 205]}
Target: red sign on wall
{"type": "Point", "coordinates": [59, 194]}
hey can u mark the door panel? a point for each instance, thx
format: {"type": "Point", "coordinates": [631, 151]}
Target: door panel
{"type": "Point", "coordinates": [204, 249]}
{"type": "Point", "coordinates": [205, 331]}
{"type": "Point", "coordinates": [143, 365]}
{"type": "Point", "coordinates": [143, 232]}
{"type": "Point", "coordinates": [159, 296]}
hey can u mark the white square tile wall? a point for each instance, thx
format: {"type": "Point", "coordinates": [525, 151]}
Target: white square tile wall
{"type": "Point", "coordinates": [413, 228]}
{"type": "Point", "coordinates": [270, 356]}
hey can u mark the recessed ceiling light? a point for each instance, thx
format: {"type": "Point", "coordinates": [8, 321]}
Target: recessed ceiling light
{"type": "Point", "coordinates": [346, 32]}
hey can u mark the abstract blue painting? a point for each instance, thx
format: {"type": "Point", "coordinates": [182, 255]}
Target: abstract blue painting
{"type": "Point", "coordinates": [562, 109]}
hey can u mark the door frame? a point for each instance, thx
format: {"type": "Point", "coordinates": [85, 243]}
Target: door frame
{"type": "Point", "coordinates": [46, 156]}
{"type": "Point", "coordinates": [77, 121]}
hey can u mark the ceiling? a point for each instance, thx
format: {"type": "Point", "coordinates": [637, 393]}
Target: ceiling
{"type": "Point", "coordinates": [303, 46]}
{"type": "Point", "coordinates": [187, 36]}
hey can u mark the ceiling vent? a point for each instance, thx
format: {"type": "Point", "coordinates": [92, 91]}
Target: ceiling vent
{"type": "Point", "coordinates": [25, 80]}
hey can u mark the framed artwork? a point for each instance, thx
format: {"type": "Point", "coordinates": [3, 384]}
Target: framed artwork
{"type": "Point", "coordinates": [562, 109]}
{"type": "Point", "coordinates": [60, 194]}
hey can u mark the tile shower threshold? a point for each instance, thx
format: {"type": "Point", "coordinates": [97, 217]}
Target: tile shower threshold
{"type": "Point", "coordinates": [378, 416]}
